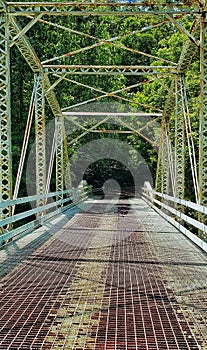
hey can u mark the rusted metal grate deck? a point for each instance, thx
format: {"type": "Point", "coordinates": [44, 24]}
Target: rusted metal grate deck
{"type": "Point", "coordinates": [115, 276]}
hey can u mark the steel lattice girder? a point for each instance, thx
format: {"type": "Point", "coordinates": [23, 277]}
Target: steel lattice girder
{"type": "Point", "coordinates": [159, 170]}
{"type": "Point", "coordinates": [179, 139]}
{"type": "Point", "coordinates": [165, 177]}
{"type": "Point", "coordinates": [185, 59]}
{"type": "Point", "coordinates": [66, 166]}
{"type": "Point", "coordinates": [166, 168]}
{"type": "Point", "coordinates": [5, 115]}
{"type": "Point", "coordinates": [59, 154]}
{"type": "Point", "coordinates": [203, 115]}
{"type": "Point", "coordinates": [85, 8]}
{"type": "Point", "coordinates": [39, 101]}
{"type": "Point", "coordinates": [109, 70]}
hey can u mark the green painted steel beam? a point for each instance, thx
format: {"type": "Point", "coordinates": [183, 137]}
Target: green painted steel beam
{"type": "Point", "coordinates": [59, 125]}
{"type": "Point", "coordinates": [203, 115]}
{"type": "Point", "coordinates": [22, 200]}
{"type": "Point", "coordinates": [40, 142]}
{"type": "Point", "coordinates": [190, 48]}
{"type": "Point", "coordinates": [50, 209]}
{"type": "Point", "coordinates": [66, 162]}
{"type": "Point", "coordinates": [185, 59]}
{"type": "Point", "coordinates": [165, 177]}
{"type": "Point", "coordinates": [3, 7]}
{"type": "Point", "coordinates": [109, 70]}
{"type": "Point", "coordinates": [76, 8]}
{"type": "Point", "coordinates": [165, 163]}
{"type": "Point", "coordinates": [28, 52]}
{"type": "Point", "coordinates": [187, 54]}
{"type": "Point", "coordinates": [5, 113]}
{"type": "Point", "coordinates": [179, 139]}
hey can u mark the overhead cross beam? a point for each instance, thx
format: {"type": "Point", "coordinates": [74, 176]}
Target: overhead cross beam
{"type": "Point", "coordinates": [112, 114]}
{"type": "Point", "coordinates": [109, 70]}
{"type": "Point", "coordinates": [76, 8]}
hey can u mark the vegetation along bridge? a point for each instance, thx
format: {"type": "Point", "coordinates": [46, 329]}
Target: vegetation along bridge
{"type": "Point", "coordinates": [103, 175]}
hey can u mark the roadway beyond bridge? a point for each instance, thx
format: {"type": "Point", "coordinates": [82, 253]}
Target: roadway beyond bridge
{"type": "Point", "coordinates": [114, 276]}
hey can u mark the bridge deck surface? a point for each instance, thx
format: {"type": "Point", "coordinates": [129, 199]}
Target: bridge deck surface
{"type": "Point", "coordinates": [114, 276]}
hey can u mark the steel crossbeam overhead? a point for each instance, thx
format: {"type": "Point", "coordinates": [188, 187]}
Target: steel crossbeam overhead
{"type": "Point", "coordinates": [109, 70]}
{"type": "Point", "coordinates": [113, 114]}
{"type": "Point", "coordinates": [107, 8]}
{"type": "Point", "coordinates": [115, 131]}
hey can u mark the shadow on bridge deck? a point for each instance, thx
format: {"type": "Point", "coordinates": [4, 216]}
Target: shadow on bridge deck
{"type": "Point", "coordinates": [115, 275]}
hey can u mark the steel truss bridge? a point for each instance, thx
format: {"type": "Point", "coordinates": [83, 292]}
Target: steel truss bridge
{"type": "Point", "coordinates": [176, 151]}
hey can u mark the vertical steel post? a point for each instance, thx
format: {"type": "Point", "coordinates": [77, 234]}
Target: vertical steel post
{"type": "Point", "coordinates": [179, 140]}
{"type": "Point", "coordinates": [39, 101]}
{"type": "Point", "coordinates": [166, 167]}
{"type": "Point", "coordinates": [163, 168]}
{"type": "Point", "coordinates": [160, 165]}
{"type": "Point", "coordinates": [159, 170]}
{"type": "Point", "coordinates": [5, 114]}
{"type": "Point", "coordinates": [67, 171]}
{"type": "Point", "coordinates": [202, 176]}
{"type": "Point", "coordinates": [203, 115]}
{"type": "Point", "coordinates": [59, 125]}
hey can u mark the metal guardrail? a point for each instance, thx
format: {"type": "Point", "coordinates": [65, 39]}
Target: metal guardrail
{"type": "Point", "coordinates": [43, 213]}
{"type": "Point", "coordinates": [172, 214]}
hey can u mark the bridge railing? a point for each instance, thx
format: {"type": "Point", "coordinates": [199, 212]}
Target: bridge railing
{"type": "Point", "coordinates": [42, 213]}
{"type": "Point", "coordinates": [173, 210]}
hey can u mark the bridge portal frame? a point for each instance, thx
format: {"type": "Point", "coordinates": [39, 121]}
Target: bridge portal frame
{"type": "Point", "coordinates": [12, 34]}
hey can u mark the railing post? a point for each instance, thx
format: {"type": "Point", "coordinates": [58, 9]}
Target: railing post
{"type": "Point", "coordinates": [5, 113]}
{"type": "Point", "coordinates": [179, 140]}
{"type": "Point", "coordinates": [39, 101]}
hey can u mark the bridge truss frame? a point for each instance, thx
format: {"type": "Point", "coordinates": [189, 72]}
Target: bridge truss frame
{"type": "Point", "coordinates": [171, 164]}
